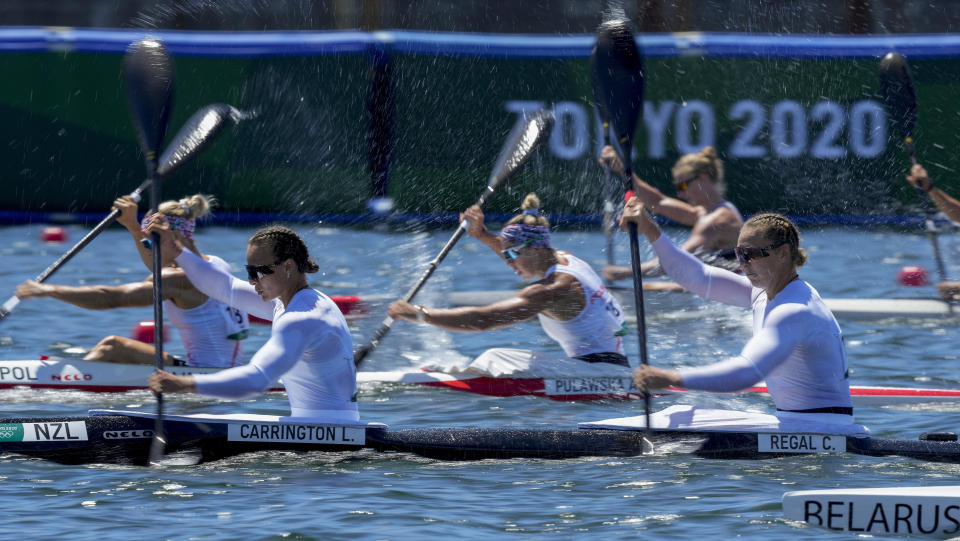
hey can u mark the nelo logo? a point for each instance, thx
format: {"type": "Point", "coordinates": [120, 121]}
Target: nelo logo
{"type": "Point", "coordinates": [127, 434]}
{"type": "Point", "coordinates": [71, 377]}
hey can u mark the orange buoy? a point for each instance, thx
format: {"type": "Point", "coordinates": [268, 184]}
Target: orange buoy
{"type": "Point", "coordinates": [143, 331]}
{"type": "Point", "coordinates": [53, 233]}
{"type": "Point", "coordinates": [913, 275]}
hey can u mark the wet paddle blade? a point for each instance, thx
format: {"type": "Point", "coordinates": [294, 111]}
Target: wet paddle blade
{"type": "Point", "coordinates": [199, 130]}
{"type": "Point", "coordinates": [617, 70]}
{"type": "Point", "coordinates": [896, 85]}
{"type": "Point", "coordinates": [519, 147]}
{"type": "Point", "coordinates": [149, 82]}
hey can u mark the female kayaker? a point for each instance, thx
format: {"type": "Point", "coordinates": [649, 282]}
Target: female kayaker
{"type": "Point", "coordinates": [212, 332]}
{"type": "Point", "coordinates": [797, 346]}
{"type": "Point", "coordinates": [567, 296]}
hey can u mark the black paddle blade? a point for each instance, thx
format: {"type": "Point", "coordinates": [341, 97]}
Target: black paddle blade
{"type": "Point", "coordinates": [520, 146]}
{"type": "Point", "coordinates": [898, 94]}
{"type": "Point", "coordinates": [617, 69]}
{"type": "Point", "coordinates": [149, 80]}
{"type": "Point", "coordinates": [196, 133]}
{"type": "Point", "coordinates": [598, 92]}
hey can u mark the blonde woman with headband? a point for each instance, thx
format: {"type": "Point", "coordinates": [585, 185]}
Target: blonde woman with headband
{"type": "Point", "coordinates": [796, 347]}
{"type": "Point", "coordinates": [212, 332]}
{"type": "Point", "coordinates": [566, 295]}
{"type": "Point", "coordinates": [715, 222]}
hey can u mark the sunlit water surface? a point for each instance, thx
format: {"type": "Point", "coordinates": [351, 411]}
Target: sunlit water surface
{"type": "Point", "coordinates": [372, 496]}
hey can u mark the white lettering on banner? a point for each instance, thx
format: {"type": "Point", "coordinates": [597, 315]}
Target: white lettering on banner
{"type": "Point", "coordinates": [61, 431]}
{"type": "Point", "coordinates": [788, 129]}
{"type": "Point", "coordinates": [655, 119]}
{"type": "Point", "coordinates": [743, 144]}
{"type": "Point", "coordinates": [589, 385]}
{"type": "Point", "coordinates": [888, 517]}
{"type": "Point", "coordinates": [825, 145]}
{"type": "Point", "coordinates": [825, 130]}
{"type": "Point", "coordinates": [294, 433]}
{"type": "Point", "coordinates": [868, 129]}
{"type": "Point", "coordinates": [695, 127]}
{"type": "Point", "coordinates": [801, 443]}
{"type": "Point", "coordinates": [571, 131]}
{"type": "Point", "coordinates": [17, 373]}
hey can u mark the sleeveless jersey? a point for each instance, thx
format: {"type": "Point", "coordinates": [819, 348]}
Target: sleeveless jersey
{"type": "Point", "coordinates": [212, 333]}
{"type": "Point", "coordinates": [599, 327]}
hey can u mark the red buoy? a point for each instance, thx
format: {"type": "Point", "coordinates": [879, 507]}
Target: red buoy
{"type": "Point", "coordinates": [143, 332]}
{"type": "Point", "coordinates": [348, 303]}
{"type": "Point", "coordinates": [913, 275]}
{"type": "Point", "coordinates": [53, 233]}
{"type": "Point", "coordinates": [351, 305]}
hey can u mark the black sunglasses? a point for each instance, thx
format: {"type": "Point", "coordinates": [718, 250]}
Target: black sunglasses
{"type": "Point", "coordinates": [746, 255]}
{"type": "Point", "coordinates": [256, 272]}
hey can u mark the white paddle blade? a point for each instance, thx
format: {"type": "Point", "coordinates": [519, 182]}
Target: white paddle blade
{"type": "Point", "coordinates": [521, 143]}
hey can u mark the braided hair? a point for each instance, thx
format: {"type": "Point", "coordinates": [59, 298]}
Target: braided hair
{"type": "Point", "coordinates": [286, 245]}
{"type": "Point", "coordinates": [776, 229]}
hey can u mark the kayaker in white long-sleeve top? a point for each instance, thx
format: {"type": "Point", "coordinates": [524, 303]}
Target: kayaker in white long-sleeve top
{"type": "Point", "coordinates": [309, 345]}
{"type": "Point", "coordinates": [797, 345]}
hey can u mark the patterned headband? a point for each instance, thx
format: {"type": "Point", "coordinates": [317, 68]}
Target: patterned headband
{"type": "Point", "coordinates": [185, 226]}
{"type": "Point", "coordinates": [535, 236]}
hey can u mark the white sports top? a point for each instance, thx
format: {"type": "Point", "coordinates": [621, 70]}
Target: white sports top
{"type": "Point", "coordinates": [797, 346]}
{"type": "Point", "coordinates": [212, 332]}
{"type": "Point", "coordinates": [309, 346]}
{"type": "Point", "coordinates": [599, 327]}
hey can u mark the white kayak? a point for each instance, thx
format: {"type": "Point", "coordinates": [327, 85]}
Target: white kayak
{"type": "Point", "coordinates": [613, 386]}
{"type": "Point", "coordinates": [932, 511]}
{"type": "Point", "coordinates": [843, 308]}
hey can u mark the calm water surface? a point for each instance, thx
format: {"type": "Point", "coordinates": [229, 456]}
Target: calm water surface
{"type": "Point", "coordinates": [670, 495]}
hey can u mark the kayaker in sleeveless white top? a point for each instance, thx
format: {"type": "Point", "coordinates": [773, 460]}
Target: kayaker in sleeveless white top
{"type": "Point", "coordinates": [700, 204]}
{"type": "Point", "coordinates": [573, 305]}
{"type": "Point", "coordinates": [212, 333]}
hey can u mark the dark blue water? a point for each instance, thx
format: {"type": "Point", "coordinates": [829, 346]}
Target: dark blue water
{"type": "Point", "coordinates": [670, 495]}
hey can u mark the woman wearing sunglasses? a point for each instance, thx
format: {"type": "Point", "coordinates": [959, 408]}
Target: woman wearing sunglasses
{"type": "Point", "coordinates": [797, 346]}
{"type": "Point", "coordinates": [567, 296]}
{"type": "Point", "coordinates": [715, 222]}
{"type": "Point", "coordinates": [309, 345]}
{"type": "Point", "coordinates": [212, 332]}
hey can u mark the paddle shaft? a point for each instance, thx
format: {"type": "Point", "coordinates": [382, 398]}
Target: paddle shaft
{"type": "Point", "coordinates": [362, 353]}
{"type": "Point", "coordinates": [638, 297]}
{"type": "Point", "coordinates": [608, 208]}
{"type": "Point", "coordinates": [158, 444]}
{"type": "Point", "coordinates": [931, 229]}
{"type": "Point", "coordinates": [87, 239]}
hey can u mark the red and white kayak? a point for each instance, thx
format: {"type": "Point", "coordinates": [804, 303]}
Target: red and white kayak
{"type": "Point", "coordinates": [612, 387]}
{"type": "Point", "coordinates": [848, 309]}
{"type": "Point", "coordinates": [85, 375]}
{"type": "Point", "coordinates": [115, 377]}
